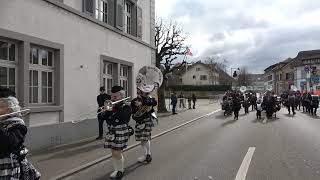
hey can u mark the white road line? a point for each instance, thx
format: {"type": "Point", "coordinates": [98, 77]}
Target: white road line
{"type": "Point", "coordinates": [242, 172]}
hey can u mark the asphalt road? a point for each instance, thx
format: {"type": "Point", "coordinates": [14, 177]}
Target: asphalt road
{"type": "Point", "coordinates": [286, 148]}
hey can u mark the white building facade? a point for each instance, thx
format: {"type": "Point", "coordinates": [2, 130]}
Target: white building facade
{"type": "Point", "coordinates": [56, 54]}
{"type": "Point", "coordinates": [200, 74]}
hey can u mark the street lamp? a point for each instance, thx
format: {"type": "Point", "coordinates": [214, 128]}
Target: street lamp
{"type": "Point", "coordinates": [234, 74]}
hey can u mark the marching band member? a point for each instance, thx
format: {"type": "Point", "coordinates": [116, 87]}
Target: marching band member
{"type": "Point", "coordinates": [141, 112]}
{"type": "Point", "coordinates": [119, 131]}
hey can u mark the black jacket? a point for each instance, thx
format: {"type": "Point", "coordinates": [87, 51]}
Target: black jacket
{"type": "Point", "coordinates": [101, 98]}
{"type": "Point", "coordinates": [120, 114]}
{"type": "Point", "coordinates": [146, 101]}
{"type": "Point", "coordinates": [11, 137]}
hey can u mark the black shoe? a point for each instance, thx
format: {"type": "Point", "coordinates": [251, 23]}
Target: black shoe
{"type": "Point", "coordinates": [99, 138]}
{"type": "Point", "coordinates": [119, 175]}
{"type": "Point", "coordinates": [174, 113]}
{"type": "Point", "coordinates": [148, 158]}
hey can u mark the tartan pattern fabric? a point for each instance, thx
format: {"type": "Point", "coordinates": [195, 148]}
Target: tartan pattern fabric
{"type": "Point", "coordinates": [10, 168]}
{"type": "Point", "coordinates": [144, 134]}
{"type": "Point", "coordinates": [120, 141]}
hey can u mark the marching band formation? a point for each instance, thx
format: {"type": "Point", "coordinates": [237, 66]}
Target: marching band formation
{"type": "Point", "coordinates": [269, 102]}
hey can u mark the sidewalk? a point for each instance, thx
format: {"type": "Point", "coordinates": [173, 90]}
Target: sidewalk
{"type": "Point", "coordinates": [58, 160]}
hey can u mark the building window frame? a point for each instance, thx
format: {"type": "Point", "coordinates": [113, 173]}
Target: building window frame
{"type": "Point", "coordinates": [23, 45]}
{"type": "Point", "coordinates": [119, 76]}
{"type": "Point", "coordinates": [108, 76]}
{"type": "Point", "coordinates": [128, 17]}
{"type": "Point", "coordinates": [203, 77]}
{"type": "Point", "coordinates": [101, 10]}
{"type": "Point", "coordinates": [41, 85]}
{"type": "Point", "coordinates": [10, 65]}
{"type": "Point", "coordinates": [198, 69]}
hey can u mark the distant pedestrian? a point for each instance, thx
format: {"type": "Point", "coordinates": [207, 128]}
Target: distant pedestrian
{"type": "Point", "coordinates": [194, 99]}
{"type": "Point", "coordinates": [236, 103]}
{"type": "Point", "coordinates": [189, 101]}
{"type": "Point", "coordinates": [259, 109]}
{"type": "Point", "coordinates": [181, 100]}
{"type": "Point", "coordinates": [291, 103]}
{"type": "Point", "coordinates": [174, 101]}
{"type": "Point", "coordinates": [101, 98]}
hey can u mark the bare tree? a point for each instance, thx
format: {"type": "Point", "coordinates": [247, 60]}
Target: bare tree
{"type": "Point", "coordinates": [169, 41]}
{"type": "Point", "coordinates": [215, 63]}
{"type": "Point", "coordinates": [243, 77]}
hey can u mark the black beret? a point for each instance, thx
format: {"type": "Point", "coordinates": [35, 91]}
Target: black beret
{"type": "Point", "coordinates": [116, 89]}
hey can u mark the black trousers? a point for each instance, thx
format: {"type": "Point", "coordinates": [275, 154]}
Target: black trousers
{"type": "Point", "coordinates": [174, 108]}
{"type": "Point", "coordinates": [292, 108]}
{"type": "Point", "coordinates": [194, 104]}
{"type": "Point", "coordinates": [100, 121]}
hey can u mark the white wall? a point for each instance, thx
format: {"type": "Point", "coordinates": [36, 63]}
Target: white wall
{"type": "Point", "coordinates": [187, 78]}
{"type": "Point", "coordinates": [83, 42]}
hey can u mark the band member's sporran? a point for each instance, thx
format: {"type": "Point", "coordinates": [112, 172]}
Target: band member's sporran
{"type": "Point", "coordinates": [149, 78]}
{"type": "Point", "coordinates": [119, 131]}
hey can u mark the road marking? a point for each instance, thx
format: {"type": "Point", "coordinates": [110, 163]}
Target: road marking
{"type": "Point", "coordinates": [242, 172]}
{"type": "Point", "coordinates": [104, 158]}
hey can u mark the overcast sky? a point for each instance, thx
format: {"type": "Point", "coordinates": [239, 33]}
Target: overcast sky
{"type": "Point", "coordinates": [254, 33]}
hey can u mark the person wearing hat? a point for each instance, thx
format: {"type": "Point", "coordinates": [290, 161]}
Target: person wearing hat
{"type": "Point", "coordinates": [119, 130]}
{"type": "Point", "coordinates": [142, 109]}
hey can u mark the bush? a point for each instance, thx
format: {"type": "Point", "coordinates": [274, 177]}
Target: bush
{"type": "Point", "coordinates": [200, 88]}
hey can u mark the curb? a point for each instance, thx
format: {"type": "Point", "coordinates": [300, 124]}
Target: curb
{"type": "Point", "coordinates": [97, 161]}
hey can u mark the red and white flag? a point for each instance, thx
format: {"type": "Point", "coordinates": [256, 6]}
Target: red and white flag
{"type": "Point", "coordinates": [188, 52]}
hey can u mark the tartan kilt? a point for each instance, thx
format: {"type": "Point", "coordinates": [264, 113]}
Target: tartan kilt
{"type": "Point", "coordinates": [120, 142]}
{"type": "Point", "coordinates": [10, 168]}
{"type": "Point", "coordinates": [144, 134]}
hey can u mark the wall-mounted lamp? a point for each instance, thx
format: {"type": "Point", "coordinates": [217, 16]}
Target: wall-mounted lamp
{"type": "Point", "coordinates": [81, 67]}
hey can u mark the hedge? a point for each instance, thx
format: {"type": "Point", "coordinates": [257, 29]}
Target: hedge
{"type": "Point", "coordinates": [200, 88]}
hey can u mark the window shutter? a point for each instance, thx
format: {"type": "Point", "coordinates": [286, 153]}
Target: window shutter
{"type": "Point", "coordinates": [89, 6]}
{"type": "Point", "coordinates": [139, 22]}
{"type": "Point", "coordinates": [119, 14]}
{"type": "Point", "coordinates": [111, 12]}
{"type": "Point", "coordinates": [134, 20]}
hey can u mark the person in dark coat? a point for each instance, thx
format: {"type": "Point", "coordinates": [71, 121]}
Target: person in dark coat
{"type": "Point", "coordinates": [142, 109]}
{"type": "Point", "coordinates": [236, 104]}
{"type": "Point", "coordinates": [119, 130]}
{"type": "Point", "coordinates": [189, 101]}
{"type": "Point", "coordinates": [174, 101]}
{"type": "Point", "coordinates": [12, 136]}
{"type": "Point", "coordinates": [268, 103]}
{"type": "Point", "coordinates": [194, 99]}
{"type": "Point", "coordinates": [246, 105]}
{"type": "Point", "coordinates": [100, 100]}
{"type": "Point", "coordinates": [291, 103]}
{"type": "Point", "coordinates": [314, 105]}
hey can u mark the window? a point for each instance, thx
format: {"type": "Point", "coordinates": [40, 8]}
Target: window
{"type": "Point", "coordinates": [8, 65]}
{"type": "Point", "coordinates": [280, 77]}
{"type": "Point", "coordinates": [127, 17]}
{"type": "Point", "coordinates": [41, 76]}
{"type": "Point", "coordinates": [198, 69]}
{"type": "Point", "coordinates": [203, 77]}
{"type": "Point", "coordinates": [101, 12]}
{"type": "Point", "coordinates": [193, 77]}
{"type": "Point", "coordinates": [108, 76]}
{"type": "Point", "coordinates": [124, 78]}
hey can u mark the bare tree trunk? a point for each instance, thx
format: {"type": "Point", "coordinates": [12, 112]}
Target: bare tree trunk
{"type": "Point", "coordinates": [161, 100]}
